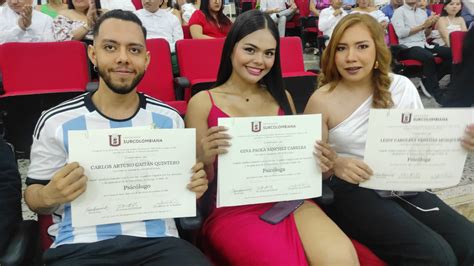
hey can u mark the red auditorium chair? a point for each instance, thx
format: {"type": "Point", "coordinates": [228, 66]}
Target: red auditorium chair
{"type": "Point", "coordinates": [437, 8]}
{"type": "Point", "coordinates": [186, 32]}
{"type": "Point", "coordinates": [300, 83]}
{"type": "Point", "coordinates": [158, 80]}
{"type": "Point", "coordinates": [406, 67]}
{"type": "Point", "coordinates": [138, 4]}
{"type": "Point", "coordinates": [198, 62]}
{"type": "Point", "coordinates": [40, 68]}
{"type": "Point", "coordinates": [456, 40]}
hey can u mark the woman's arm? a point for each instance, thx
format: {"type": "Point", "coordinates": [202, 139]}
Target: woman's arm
{"type": "Point", "coordinates": [196, 32]}
{"type": "Point", "coordinates": [443, 31]}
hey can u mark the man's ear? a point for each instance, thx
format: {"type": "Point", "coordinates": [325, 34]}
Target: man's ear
{"type": "Point", "coordinates": [92, 55]}
{"type": "Point", "coordinates": [148, 58]}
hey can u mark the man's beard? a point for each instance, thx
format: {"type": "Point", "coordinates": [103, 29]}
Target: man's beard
{"type": "Point", "coordinates": [120, 89]}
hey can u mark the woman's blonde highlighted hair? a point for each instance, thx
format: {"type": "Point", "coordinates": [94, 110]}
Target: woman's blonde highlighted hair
{"type": "Point", "coordinates": [382, 97]}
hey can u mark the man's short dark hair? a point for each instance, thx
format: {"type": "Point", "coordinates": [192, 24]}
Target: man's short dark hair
{"type": "Point", "coordinates": [118, 14]}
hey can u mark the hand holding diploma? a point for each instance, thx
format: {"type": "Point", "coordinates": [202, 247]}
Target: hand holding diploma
{"type": "Point", "coordinates": [468, 140]}
{"type": "Point", "coordinates": [66, 185]}
{"type": "Point", "coordinates": [214, 143]}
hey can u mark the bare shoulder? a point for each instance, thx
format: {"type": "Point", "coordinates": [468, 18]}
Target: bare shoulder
{"type": "Point", "coordinates": [200, 99]}
{"type": "Point", "coordinates": [66, 12]}
{"type": "Point", "coordinates": [319, 99]}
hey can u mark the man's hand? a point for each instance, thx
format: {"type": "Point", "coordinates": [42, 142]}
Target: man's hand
{"type": "Point", "coordinates": [430, 21]}
{"type": "Point", "coordinates": [337, 12]}
{"type": "Point", "coordinates": [25, 17]}
{"type": "Point", "coordinates": [199, 182]}
{"type": "Point", "coordinates": [66, 185]}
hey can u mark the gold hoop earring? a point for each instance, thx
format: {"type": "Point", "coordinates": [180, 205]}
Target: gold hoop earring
{"type": "Point", "coordinates": [376, 65]}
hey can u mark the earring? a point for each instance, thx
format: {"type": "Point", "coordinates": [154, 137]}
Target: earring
{"type": "Point", "coordinates": [95, 68]}
{"type": "Point", "coordinates": [376, 65]}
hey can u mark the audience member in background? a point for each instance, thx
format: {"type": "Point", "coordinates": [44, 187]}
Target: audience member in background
{"type": "Point", "coordinates": [188, 9]}
{"type": "Point", "coordinates": [160, 23]}
{"type": "Point", "coordinates": [10, 195]}
{"type": "Point", "coordinates": [469, 4]}
{"type": "Point", "coordinates": [365, 7]}
{"type": "Point", "coordinates": [412, 25]}
{"type": "Point", "coordinates": [356, 67]}
{"type": "Point", "coordinates": [348, 5]}
{"type": "Point", "coordinates": [167, 5]}
{"type": "Point", "coordinates": [77, 21]}
{"type": "Point", "coordinates": [461, 88]}
{"type": "Point", "coordinates": [315, 6]}
{"type": "Point", "coordinates": [209, 22]}
{"type": "Point", "coordinates": [249, 83]}
{"type": "Point", "coordinates": [389, 9]}
{"type": "Point", "coordinates": [120, 56]}
{"type": "Point", "coordinates": [449, 21]}
{"type": "Point", "coordinates": [329, 17]}
{"type": "Point", "coordinates": [19, 22]}
{"type": "Point", "coordinates": [51, 8]}
{"type": "Point", "coordinates": [117, 4]}
{"type": "Point", "coordinates": [425, 5]}
{"type": "Point", "coordinates": [466, 16]}
{"type": "Point", "coordinates": [278, 12]}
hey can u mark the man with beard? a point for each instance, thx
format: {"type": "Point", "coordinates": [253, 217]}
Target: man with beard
{"type": "Point", "coordinates": [120, 56]}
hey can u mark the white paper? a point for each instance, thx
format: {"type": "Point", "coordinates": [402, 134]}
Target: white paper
{"type": "Point", "coordinates": [271, 159]}
{"type": "Point", "coordinates": [413, 150]}
{"type": "Point", "coordinates": [133, 174]}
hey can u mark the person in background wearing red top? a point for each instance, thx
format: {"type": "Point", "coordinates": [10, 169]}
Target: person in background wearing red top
{"type": "Point", "coordinates": [209, 22]}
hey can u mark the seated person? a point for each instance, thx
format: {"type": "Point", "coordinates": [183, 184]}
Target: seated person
{"type": "Point", "coordinates": [76, 22]}
{"type": "Point", "coordinates": [365, 7]}
{"type": "Point", "coordinates": [389, 9]}
{"type": "Point", "coordinates": [19, 22]}
{"type": "Point", "coordinates": [315, 6]}
{"type": "Point", "coordinates": [278, 12]}
{"type": "Point", "coordinates": [249, 83]}
{"type": "Point", "coordinates": [424, 4]}
{"type": "Point", "coordinates": [167, 5]}
{"type": "Point", "coordinates": [188, 9]}
{"type": "Point", "coordinates": [412, 25]}
{"type": "Point", "coordinates": [348, 5]}
{"type": "Point", "coordinates": [117, 4]}
{"type": "Point", "coordinates": [469, 4]}
{"type": "Point", "coordinates": [119, 53]}
{"type": "Point", "coordinates": [10, 195]}
{"type": "Point", "coordinates": [356, 67]}
{"type": "Point", "coordinates": [467, 16]}
{"type": "Point", "coordinates": [51, 8]}
{"type": "Point", "coordinates": [209, 22]}
{"type": "Point", "coordinates": [329, 17]}
{"type": "Point", "coordinates": [461, 93]}
{"type": "Point", "coordinates": [449, 21]}
{"type": "Point", "coordinates": [160, 23]}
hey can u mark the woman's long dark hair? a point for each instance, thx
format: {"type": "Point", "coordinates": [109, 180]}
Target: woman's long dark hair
{"type": "Point", "coordinates": [70, 5]}
{"type": "Point", "coordinates": [222, 19]}
{"type": "Point", "coordinates": [245, 24]}
{"type": "Point", "coordinates": [445, 14]}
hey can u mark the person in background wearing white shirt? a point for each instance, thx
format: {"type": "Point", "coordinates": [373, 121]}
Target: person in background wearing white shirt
{"type": "Point", "coordinates": [278, 12]}
{"type": "Point", "coordinates": [329, 17]}
{"type": "Point", "coordinates": [117, 4]}
{"type": "Point", "coordinates": [20, 23]}
{"type": "Point", "coordinates": [188, 9]}
{"type": "Point", "coordinates": [160, 23]}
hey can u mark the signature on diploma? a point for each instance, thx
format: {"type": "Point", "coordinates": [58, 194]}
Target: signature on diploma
{"type": "Point", "coordinates": [128, 206]}
{"type": "Point", "coordinates": [166, 203]}
{"type": "Point", "coordinates": [97, 209]}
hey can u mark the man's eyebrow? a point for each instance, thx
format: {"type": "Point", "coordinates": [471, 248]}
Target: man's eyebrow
{"type": "Point", "coordinates": [115, 42]}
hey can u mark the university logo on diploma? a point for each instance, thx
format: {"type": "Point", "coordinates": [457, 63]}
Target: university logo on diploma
{"type": "Point", "coordinates": [271, 159]}
{"type": "Point", "coordinates": [413, 150]}
{"type": "Point", "coordinates": [115, 140]}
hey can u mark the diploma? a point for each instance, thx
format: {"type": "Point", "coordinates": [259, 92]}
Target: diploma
{"type": "Point", "coordinates": [271, 159]}
{"type": "Point", "coordinates": [133, 174]}
{"type": "Point", "coordinates": [412, 150]}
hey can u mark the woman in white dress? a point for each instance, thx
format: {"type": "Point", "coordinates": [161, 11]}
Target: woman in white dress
{"type": "Point", "coordinates": [356, 77]}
